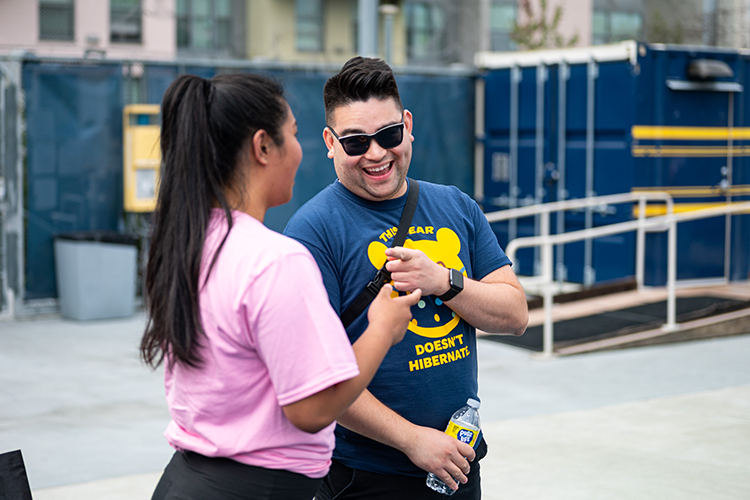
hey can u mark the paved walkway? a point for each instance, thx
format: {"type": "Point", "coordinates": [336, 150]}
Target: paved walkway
{"type": "Point", "coordinates": [657, 422]}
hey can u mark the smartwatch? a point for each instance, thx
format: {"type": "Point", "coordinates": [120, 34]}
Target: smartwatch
{"type": "Point", "coordinates": [457, 284]}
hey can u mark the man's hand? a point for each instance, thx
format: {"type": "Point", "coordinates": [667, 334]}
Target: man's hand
{"type": "Point", "coordinates": [411, 269]}
{"type": "Point", "coordinates": [436, 452]}
{"type": "Point", "coordinates": [494, 304]}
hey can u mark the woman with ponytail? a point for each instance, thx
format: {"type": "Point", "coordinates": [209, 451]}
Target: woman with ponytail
{"type": "Point", "coordinates": [257, 364]}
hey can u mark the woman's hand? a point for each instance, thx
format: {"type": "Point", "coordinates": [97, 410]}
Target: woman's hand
{"type": "Point", "coordinates": [391, 315]}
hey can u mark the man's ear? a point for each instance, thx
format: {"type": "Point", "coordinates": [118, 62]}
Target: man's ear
{"type": "Point", "coordinates": [328, 139]}
{"type": "Point", "coordinates": [409, 123]}
{"type": "Point", "coordinates": [261, 143]}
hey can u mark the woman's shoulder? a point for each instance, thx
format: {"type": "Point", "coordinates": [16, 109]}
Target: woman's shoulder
{"type": "Point", "coordinates": [252, 233]}
{"type": "Point", "coordinates": [249, 244]}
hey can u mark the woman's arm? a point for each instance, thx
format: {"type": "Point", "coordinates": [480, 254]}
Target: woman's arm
{"type": "Point", "coordinates": [388, 319]}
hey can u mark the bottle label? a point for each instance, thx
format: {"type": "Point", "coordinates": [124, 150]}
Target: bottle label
{"type": "Point", "coordinates": [464, 434]}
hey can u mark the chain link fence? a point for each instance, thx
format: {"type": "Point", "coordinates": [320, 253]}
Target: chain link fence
{"type": "Point", "coordinates": [62, 151]}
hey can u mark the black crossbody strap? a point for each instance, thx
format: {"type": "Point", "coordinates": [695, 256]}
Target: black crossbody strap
{"type": "Point", "coordinates": [383, 276]}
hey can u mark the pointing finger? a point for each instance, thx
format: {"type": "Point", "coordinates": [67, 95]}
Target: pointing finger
{"type": "Point", "coordinates": [414, 296]}
{"type": "Point", "coordinates": [400, 253]}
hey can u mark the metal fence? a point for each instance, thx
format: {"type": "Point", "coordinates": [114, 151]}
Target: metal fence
{"type": "Point", "coordinates": [666, 223]}
{"type": "Point", "coordinates": [62, 151]}
{"type": "Point", "coordinates": [11, 186]}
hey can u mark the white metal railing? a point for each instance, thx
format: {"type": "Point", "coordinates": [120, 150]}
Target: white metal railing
{"type": "Point", "coordinates": [600, 203]}
{"type": "Point", "coordinates": [666, 222]}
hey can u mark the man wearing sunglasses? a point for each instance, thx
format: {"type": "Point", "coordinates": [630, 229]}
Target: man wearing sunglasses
{"type": "Point", "coordinates": [393, 435]}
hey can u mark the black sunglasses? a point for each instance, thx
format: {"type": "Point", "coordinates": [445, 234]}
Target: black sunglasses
{"type": "Point", "coordinates": [358, 144]}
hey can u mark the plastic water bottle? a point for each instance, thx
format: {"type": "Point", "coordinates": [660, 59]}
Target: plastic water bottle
{"type": "Point", "coordinates": [464, 426]}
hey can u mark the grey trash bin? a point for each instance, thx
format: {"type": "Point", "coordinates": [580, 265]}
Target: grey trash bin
{"type": "Point", "coordinates": [96, 274]}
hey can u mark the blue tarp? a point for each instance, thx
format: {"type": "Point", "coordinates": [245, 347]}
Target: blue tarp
{"type": "Point", "coordinates": [74, 172]}
{"type": "Point", "coordinates": [75, 150]}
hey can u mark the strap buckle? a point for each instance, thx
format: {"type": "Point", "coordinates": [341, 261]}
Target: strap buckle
{"type": "Point", "coordinates": [380, 279]}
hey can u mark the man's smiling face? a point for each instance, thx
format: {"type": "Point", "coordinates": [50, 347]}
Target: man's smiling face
{"type": "Point", "coordinates": [379, 174]}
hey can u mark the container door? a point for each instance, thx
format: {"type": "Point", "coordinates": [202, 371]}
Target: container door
{"type": "Point", "coordinates": [561, 132]}
{"type": "Point", "coordinates": [596, 159]}
{"type": "Point", "coordinates": [519, 150]}
{"type": "Point", "coordinates": [691, 151]}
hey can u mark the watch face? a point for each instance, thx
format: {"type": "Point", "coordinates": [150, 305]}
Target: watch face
{"type": "Point", "coordinates": [457, 280]}
{"type": "Point", "coordinates": [457, 284]}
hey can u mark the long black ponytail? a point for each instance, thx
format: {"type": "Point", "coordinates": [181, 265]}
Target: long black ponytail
{"type": "Point", "coordinates": [206, 124]}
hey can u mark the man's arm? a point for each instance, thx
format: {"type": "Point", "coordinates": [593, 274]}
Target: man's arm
{"type": "Point", "coordinates": [428, 448]}
{"type": "Point", "coordinates": [495, 304]}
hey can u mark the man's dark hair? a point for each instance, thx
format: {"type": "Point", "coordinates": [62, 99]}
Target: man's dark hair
{"type": "Point", "coordinates": [360, 79]}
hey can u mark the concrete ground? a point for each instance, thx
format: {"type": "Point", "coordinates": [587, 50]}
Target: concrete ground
{"type": "Point", "coordinates": [659, 422]}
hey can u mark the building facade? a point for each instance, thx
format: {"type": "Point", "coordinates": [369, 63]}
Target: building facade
{"type": "Point", "coordinates": [408, 32]}
{"type": "Point", "coordinates": [117, 29]}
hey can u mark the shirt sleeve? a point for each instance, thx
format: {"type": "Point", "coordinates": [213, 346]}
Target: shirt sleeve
{"type": "Point", "coordinates": [311, 235]}
{"type": "Point", "coordinates": [298, 335]}
{"type": "Point", "coordinates": [488, 256]}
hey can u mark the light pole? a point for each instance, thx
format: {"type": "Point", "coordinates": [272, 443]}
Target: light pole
{"type": "Point", "coordinates": [368, 28]}
{"type": "Point", "coordinates": [389, 11]}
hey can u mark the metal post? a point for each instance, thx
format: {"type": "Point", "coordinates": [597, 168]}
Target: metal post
{"type": "Point", "coordinates": [367, 24]}
{"type": "Point", "coordinates": [671, 324]}
{"type": "Point", "coordinates": [728, 220]}
{"type": "Point", "coordinates": [485, 42]}
{"type": "Point", "coordinates": [389, 11]}
{"type": "Point", "coordinates": [562, 193]}
{"type": "Point", "coordinates": [13, 173]}
{"type": "Point", "coordinates": [709, 22]}
{"type": "Point", "coordinates": [479, 136]}
{"type": "Point", "coordinates": [548, 331]}
{"type": "Point", "coordinates": [541, 79]}
{"type": "Point", "coordinates": [588, 268]}
{"type": "Point", "coordinates": [515, 80]}
{"type": "Point", "coordinates": [3, 253]}
{"type": "Point", "coordinates": [640, 244]}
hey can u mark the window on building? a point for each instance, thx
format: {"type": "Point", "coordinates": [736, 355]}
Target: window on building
{"type": "Point", "coordinates": [309, 21]}
{"type": "Point", "coordinates": [612, 26]}
{"type": "Point", "coordinates": [425, 32]}
{"type": "Point", "coordinates": [625, 26]}
{"type": "Point", "coordinates": [56, 20]}
{"type": "Point", "coordinates": [125, 21]}
{"type": "Point", "coordinates": [617, 20]}
{"type": "Point", "coordinates": [205, 26]}
{"type": "Point", "coordinates": [599, 28]}
{"type": "Point", "coordinates": [502, 17]}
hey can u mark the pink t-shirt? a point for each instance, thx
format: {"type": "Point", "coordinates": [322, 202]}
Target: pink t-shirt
{"type": "Point", "coordinates": [272, 339]}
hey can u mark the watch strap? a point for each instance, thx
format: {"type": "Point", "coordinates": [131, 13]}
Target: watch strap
{"type": "Point", "coordinates": [454, 289]}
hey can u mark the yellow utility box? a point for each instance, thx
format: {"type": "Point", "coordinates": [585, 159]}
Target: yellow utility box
{"type": "Point", "coordinates": [142, 156]}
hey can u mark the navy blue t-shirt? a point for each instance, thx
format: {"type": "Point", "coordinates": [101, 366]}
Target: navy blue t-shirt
{"type": "Point", "coordinates": [433, 371]}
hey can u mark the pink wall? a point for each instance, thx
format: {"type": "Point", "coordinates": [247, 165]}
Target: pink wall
{"type": "Point", "coordinates": [576, 18]}
{"type": "Point", "coordinates": [19, 31]}
{"type": "Point", "coordinates": [18, 24]}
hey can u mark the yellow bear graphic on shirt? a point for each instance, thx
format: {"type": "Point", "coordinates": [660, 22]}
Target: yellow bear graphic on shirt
{"type": "Point", "coordinates": [444, 250]}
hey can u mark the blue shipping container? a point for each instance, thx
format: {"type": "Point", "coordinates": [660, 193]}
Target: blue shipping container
{"type": "Point", "coordinates": [571, 123]}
